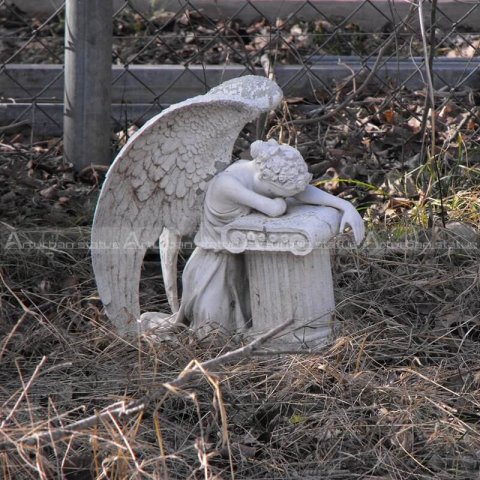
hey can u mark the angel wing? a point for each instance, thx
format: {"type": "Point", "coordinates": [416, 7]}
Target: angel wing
{"type": "Point", "coordinates": [158, 181]}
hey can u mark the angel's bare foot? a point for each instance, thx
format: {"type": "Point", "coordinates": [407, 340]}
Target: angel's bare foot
{"type": "Point", "coordinates": [159, 321]}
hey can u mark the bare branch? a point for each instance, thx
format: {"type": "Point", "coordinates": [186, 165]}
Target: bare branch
{"type": "Point", "coordinates": [123, 409]}
{"type": "Point", "coordinates": [362, 87]}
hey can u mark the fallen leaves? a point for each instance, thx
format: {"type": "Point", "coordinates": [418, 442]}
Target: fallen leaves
{"type": "Point", "coordinates": [39, 184]}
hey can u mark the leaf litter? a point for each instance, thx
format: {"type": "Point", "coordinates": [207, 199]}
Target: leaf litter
{"type": "Point", "coordinates": [396, 395]}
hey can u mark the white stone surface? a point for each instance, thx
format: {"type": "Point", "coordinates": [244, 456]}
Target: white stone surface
{"type": "Point", "coordinates": [289, 272]}
{"type": "Point", "coordinates": [158, 181]}
{"type": "Point", "coordinates": [299, 231]}
{"type": "Point", "coordinates": [284, 286]}
{"type": "Point", "coordinates": [173, 176]}
{"type": "Point", "coordinates": [265, 206]}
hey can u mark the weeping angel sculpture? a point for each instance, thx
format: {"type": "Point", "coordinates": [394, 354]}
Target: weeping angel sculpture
{"type": "Point", "coordinates": [173, 178]}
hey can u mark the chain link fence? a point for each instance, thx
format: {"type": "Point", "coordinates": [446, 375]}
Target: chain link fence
{"type": "Point", "coordinates": [321, 62]}
{"type": "Point", "coordinates": [28, 93]}
{"type": "Point", "coordinates": [353, 90]}
{"type": "Point", "coordinates": [385, 109]}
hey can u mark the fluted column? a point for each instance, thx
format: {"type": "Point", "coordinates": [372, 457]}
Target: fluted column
{"type": "Point", "coordinates": [289, 272]}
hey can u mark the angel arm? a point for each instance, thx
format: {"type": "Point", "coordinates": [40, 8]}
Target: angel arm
{"type": "Point", "coordinates": [233, 191]}
{"type": "Point", "coordinates": [314, 196]}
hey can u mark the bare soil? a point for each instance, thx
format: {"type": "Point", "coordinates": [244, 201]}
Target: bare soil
{"type": "Point", "coordinates": [396, 395]}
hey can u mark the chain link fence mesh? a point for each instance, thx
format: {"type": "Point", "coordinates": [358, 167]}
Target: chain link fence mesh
{"type": "Point", "coordinates": [353, 96]}
{"type": "Point", "coordinates": [26, 41]}
{"type": "Point", "coordinates": [333, 55]}
{"type": "Point", "coordinates": [358, 104]}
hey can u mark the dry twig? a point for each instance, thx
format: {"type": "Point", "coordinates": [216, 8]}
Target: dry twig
{"type": "Point", "coordinates": [364, 84]}
{"type": "Point", "coordinates": [122, 409]}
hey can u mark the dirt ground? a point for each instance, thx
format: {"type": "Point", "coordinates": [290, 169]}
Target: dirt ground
{"type": "Point", "coordinates": [395, 396]}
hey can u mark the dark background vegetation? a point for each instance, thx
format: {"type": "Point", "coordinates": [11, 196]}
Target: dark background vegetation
{"type": "Point", "coordinates": [394, 396]}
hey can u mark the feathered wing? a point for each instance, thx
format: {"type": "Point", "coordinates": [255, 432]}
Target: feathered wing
{"type": "Point", "coordinates": [158, 181]}
{"type": "Point", "coordinates": [169, 246]}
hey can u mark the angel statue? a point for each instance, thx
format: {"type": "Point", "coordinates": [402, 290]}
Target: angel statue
{"type": "Point", "coordinates": [173, 178]}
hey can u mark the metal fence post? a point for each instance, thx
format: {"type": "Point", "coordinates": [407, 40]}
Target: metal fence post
{"type": "Point", "coordinates": [88, 80]}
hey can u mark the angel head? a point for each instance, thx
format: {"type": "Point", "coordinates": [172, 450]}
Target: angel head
{"type": "Point", "coordinates": [281, 169]}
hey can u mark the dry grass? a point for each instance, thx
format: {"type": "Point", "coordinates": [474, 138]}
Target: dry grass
{"type": "Point", "coordinates": [395, 396]}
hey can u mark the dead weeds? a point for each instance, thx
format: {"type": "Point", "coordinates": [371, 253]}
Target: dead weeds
{"type": "Point", "coordinates": [395, 396]}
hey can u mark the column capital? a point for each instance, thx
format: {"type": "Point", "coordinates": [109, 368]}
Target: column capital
{"type": "Point", "coordinates": [302, 229]}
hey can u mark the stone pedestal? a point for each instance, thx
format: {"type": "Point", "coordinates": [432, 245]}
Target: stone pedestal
{"type": "Point", "coordinates": [289, 272]}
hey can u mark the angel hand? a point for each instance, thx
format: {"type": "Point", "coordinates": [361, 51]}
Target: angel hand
{"type": "Point", "coordinates": [352, 218]}
{"type": "Point", "coordinates": [276, 207]}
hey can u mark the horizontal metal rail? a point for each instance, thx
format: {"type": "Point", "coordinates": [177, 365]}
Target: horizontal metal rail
{"type": "Point", "coordinates": [171, 83]}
